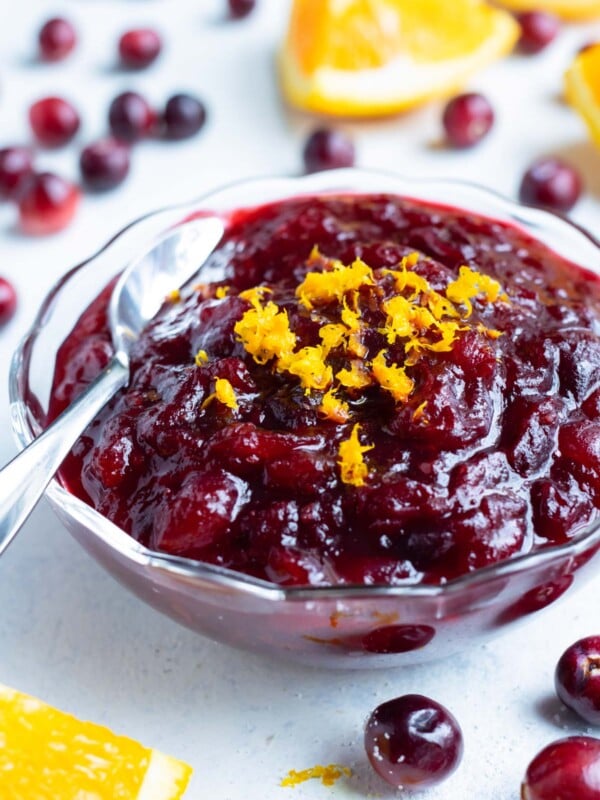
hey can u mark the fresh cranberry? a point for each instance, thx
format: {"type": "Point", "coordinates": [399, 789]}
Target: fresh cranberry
{"type": "Point", "coordinates": [552, 184]}
{"type": "Point", "coordinates": [467, 119]}
{"type": "Point", "coordinates": [139, 48]}
{"type": "Point", "coordinates": [48, 204]}
{"type": "Point", "coordinates": [538, 29]}
{"type": "Point", "coordinates": [413, 742]}
{"type": "Point", "coordinates": [184, 116]}
{"type": "Point", "coordinates": [57, 38]}
{"type": "Point", "coordinates": [8, 301]}
{"type": "Point", "coordinates": [54, 121]}
{"type": "Point", "coordinates": [577, 678]}
{"type": "Point", "coordinates": [565, 770]}
{"type": "Point", "coordinates": [327, 149]}
{"type": "Point", "coordinates": [16, 164]}
{"type": "Point", "coordinates": [130, 117]}
{"type": "Point", "coordinates": [104, 164]}
{"type": "Point", "coordinates": [241, 8]}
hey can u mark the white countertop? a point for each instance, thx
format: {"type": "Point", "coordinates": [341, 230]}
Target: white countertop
{"type": "Point", "coordinates": [68, 632]}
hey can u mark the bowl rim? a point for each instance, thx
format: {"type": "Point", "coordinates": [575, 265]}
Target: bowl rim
{"type": "Point", "coordinates": [530, 220]}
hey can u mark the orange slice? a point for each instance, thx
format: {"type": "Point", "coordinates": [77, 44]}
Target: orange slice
{"type": "Point", "coordinates": [568, 9]}
{"type": "Point", "coordinates": [582, 88]}
{"type": "Point", "coordinates": [45, 753]}
{"type": "Point", "coordinates": [374, 57]}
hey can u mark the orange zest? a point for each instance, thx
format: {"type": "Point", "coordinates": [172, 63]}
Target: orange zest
{"type": "Point", "coordinates": [328, 775]}
{"type": "Point", "coordinates": [416, 319]}
{"type": "Point", "coordinates": [416, 315]}
{"type": "Point", "coordinates": [353, 469]}
{"type": "Point", "coordinates": [224, 393]}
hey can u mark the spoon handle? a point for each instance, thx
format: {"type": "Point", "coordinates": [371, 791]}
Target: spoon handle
{"type": "Point", "coordinates": [24, 479]}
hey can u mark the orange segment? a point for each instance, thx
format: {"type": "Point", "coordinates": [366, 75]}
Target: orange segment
{"type": "Point", "coordinates": [45, 753]}
{"type": "Point", "coordinates": [371, 57]}
{"type": "Point", "coordinates": [568, 9]}
{"type": "Point", "coordinates": [320, 33]}
{"type": "Point", "coordinates": [582, 88]}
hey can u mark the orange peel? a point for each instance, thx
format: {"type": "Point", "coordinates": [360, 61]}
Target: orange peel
{"type": "Point", "coordinates": [376, 57]}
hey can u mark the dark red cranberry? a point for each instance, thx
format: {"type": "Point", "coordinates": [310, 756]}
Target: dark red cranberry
{"type": "Point", "coordinates": [467, 119]}
{"type": "Point", "coordinates": [139, 48]}
{"type": "Point", "coordinates": [104, 164]}
{"type": "Point", "coordinates": [48, 203]}
{"type": "Point", "coordinates": [241, 8]}
{"type": "Point", "coordinates": [130, 117]}
{"type": "Point", "coordinates": [398, 638]}
{"type": "Point", "coordinates": [54, 121]}
{"type": "Point", "coordinates": [327, 149]}
{"type": "Point", "coordinates": [57, 38]}
{"type": "Point", "coordinates": [538, 29]}
{"type": "Point", "coordinates": [577, 678]}
{"type": "Point", "coordinates": [184, 116]}
{"type": "Point", "coordinates": [552, 184]}
{"type": "Point", "coordinates": [536, 599]}
{"type": "Point", "coordinates": [413, 741]}
{"type": "Point", "coordinates": [565, 770]}
{"type": "Point", "coordinates": [16, 164]}
{"type": "Point", "coordinates": [8, 301]}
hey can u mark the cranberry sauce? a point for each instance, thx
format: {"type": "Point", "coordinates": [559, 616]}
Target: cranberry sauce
{"type": "Point", "coordinates": [412, 393]}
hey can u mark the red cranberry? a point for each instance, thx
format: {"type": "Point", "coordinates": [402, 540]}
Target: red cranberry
{"type": "Point", "coordinates": [16, 164]}
{"type": "Point", "coordinates": [104, 164]}
{"type": "Point", "coordinates": [56, 39]}
{"type": "Point", "coordinates": [413, 741]}
{"type": "Point", "coordinates": [550, 183]}
{"type": "Point", "coordinates": [54, 121]}
{"type": "Point", "coordinates": [327, 149]}
{"type": "Point", "coordinates": [48, 203]}
{"type": "Point", "coordinates": [565, 770]}
{"type": "Point", "coordinates": [538, 29]}
{"type": "Point", "coordinates": [130, 117]}
{"type": "Point", "coordinates": [398, 638]}
{"type": "Point", "coordinates": [139, 48]}
{"type": "Point", "coordinates": [577, 678]}
{"type": "Point", "coordinates": [241, 8]}
{"type": "Point", "coordinates": [184, 116]}
{"type": "Point", "coordinates": [8, 301]}
{"type": "Point", "coordinates": [467, 119]}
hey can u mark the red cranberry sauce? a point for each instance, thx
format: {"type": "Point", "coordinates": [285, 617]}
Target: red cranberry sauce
{"type": "Point", "coordinates": [493, 450]}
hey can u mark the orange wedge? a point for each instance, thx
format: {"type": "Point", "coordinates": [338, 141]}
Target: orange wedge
{"type": "Point", "coordinates": [374, 57]}
{"type": "Point", "coordinates": [567, 9]}
{"type": "Point", "coordinates": [582, 88]}
{"type": "Point", "coordinates": [47, 754]}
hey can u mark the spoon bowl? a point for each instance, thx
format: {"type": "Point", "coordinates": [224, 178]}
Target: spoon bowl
{"type": "Point", "coordinates": [138, 295]}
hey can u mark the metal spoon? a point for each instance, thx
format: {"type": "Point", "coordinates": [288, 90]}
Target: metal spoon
{"type": "Point", "coordinates": [137, 297]}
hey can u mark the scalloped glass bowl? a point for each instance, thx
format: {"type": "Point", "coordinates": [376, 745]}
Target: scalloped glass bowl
{"type": "Point", "coordinates": [338, 626]}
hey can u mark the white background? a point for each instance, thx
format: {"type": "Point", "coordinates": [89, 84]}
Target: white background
{"type": "Point", "coordinates": [68, 632]}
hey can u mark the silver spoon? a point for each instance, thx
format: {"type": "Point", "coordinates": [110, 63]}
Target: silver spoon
{"type": "Point", "coordinates": [137, 297]}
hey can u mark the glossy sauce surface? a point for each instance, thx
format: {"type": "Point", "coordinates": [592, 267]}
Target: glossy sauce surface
{"type": "Point", "coordinates": [504, 458]}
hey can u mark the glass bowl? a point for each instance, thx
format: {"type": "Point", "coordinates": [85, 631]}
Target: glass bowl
{"type": "Point", "coordinates": [355, 626]}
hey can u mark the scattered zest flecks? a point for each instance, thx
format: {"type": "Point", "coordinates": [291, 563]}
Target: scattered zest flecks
{"type": "Point", "coordinates": [328, 775]}
{"type": "Point", "coordinates": [224, 393]}
{"type": "Point", "coordinates": [413, 319]}
{"type": "Point", "coordinates": [352, 464]}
